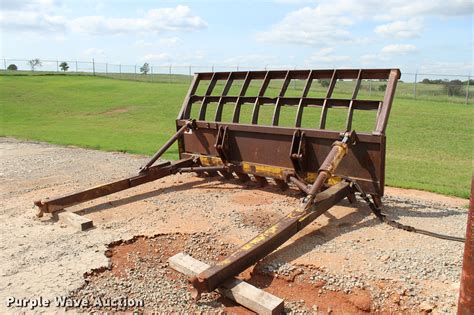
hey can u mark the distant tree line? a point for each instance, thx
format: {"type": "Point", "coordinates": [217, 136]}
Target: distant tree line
{"type": "Point", "coordinates": [451, 87]}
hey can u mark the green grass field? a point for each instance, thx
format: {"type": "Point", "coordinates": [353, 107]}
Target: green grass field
{"type": "Point", "coordinates": [430, 139]}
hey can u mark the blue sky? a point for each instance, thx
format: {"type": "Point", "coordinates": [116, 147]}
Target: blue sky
{"type": "Point", "coordinates": [433, 36]}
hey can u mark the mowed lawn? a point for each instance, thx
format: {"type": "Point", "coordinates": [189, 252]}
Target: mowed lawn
{"type": "Point", "coordinates": [429, 141]}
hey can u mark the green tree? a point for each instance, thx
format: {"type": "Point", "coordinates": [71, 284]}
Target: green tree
{"type": "Point", "coordinates": [33, 63]}
{"type": "Point", "coordinates": [64, 66]}
{"type": "Point", "coordinates": [12, 67]}
{"type": "Point", "coordinates": [453, 87]}
{"type": "Point", "coordinates": [324, 83]}
{"type": "Point", "coordinates": [145, 68]}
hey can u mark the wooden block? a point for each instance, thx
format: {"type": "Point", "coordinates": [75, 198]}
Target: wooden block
{"type": "Point", "coordinates": [186, 264]}
{"type": "Point", "coordinates": [77, 221]}
{"type": "Point", "coordinates": [240, 291]}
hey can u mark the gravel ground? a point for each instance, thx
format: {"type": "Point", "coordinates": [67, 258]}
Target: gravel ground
{"type": "Point", "coordinates": [344, 252]}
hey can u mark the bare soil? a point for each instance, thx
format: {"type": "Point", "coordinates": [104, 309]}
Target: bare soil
{"type": "Point", "coordinates": [344, 262]}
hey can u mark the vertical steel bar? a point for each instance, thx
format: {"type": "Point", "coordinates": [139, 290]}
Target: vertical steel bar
{"type": "Point", "coordinates": [186, 107]}
{"type": "Point", "coordinates": [324, 111]}
{"type": "Point", "coordinates": [467, 88]}
{"type": "Point", "coordinates": [212, 84]}
{"type": "Point", "coordinates": [284, 87]}
{"type": "Point", "coordinates": [350, 111]}
{"type": "Point", "coordinates": [466, 292]}
{"type": "Point", "coordinates": [414, 85]}
{"type": "Point", "coordinates": [220, 104]}
{"type": "Point", "coordinates": [238, 103]}
{"type": "Point", "coordinates": [382, 118]}
{"type": "Point", "coordinates": [256, 105]}
{"type": "Point", "coordinates": [299, 111]}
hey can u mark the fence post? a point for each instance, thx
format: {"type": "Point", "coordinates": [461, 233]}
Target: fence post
{"type": "Point", "coordinates": [237, 67]}
{"type": "Point", "coordinates": [170, 75]}
{"type": "Point", "coordinates": [93, 66]}
{"type": "Point", "coordinates": [106, 68]}
{"type": "Point", "coordinates": [151, 73]}
{"type": "Point", "coordinates": [57, 65]}
{"type": "Point", "coordinates": [467, 88]}
{"type": "Point", "coordinates": [414, 85]}
{"type": "Point", "coordinates": [76, 66]}
{"type": "Point", "coordinates": [5, 63]}
{"type": "Point", "coordinates": [370, 87]}
{"type": "Point", "coordinates": [190, 70]}
{"type": "Point", "coordinates": [120, 70]}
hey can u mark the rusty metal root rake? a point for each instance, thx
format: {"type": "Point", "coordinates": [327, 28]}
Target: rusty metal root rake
{"type": "Point", "coordinates": [324, 164]}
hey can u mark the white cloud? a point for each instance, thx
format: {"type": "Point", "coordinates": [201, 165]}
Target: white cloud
{"type": "Point", "coordinates": [40, 16]}
{"type": "Point", "coordinates": [441, 67]}
{"type": "Point", "coordinates": [309, 26]}
{"type": "Point", "coordinates": [170, 41]}
{"type": "Point", "coordinates": [31, 16]}
{"type": "Point", "coordinates": [435, 7]}
{"type": "Point", "coordinates": [165, 41]}
{"type": "Point", "coordinates": [293, 1]}
{"type": "Point", "coordinates": [157, 57]}
{"type": "Point", "coordinates": [372, 59]}
{"type": "Point", "coordinates": [400, 49]}
{"type": "Point", "coordinates": [142, 43]}
{"type": "Point", "coordinates": [94, 52]}
{"type": "Point", "coordinates": [250, 60]}
{"type": "Point", "coordinates": [29, 21]}
{"type": "Point", "coordinates": [178, 18]}
{"type": "Point", "coordinates": [326, 56]}
{"type": "Point", "coordinates": [401, 29]}
{"type": "Point", "coordinates": [330, 22]}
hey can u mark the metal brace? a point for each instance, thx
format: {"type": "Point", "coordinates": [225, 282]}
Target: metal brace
{"type": "Point", "coordinates": [222, 144]}
{"type": "Point", "coordinates": [297, 153]}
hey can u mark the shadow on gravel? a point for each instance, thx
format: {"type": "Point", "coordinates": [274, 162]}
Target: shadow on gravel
{"type": "Point", "coordinates": [324, 234]}
{"type": "Point", "coordinates": [206, 182]}
{"type": "Point", "coordinates": [419, 210]}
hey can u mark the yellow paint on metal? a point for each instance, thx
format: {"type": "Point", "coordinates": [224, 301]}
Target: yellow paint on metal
{"type": "Point", "coordinates": [209, 160]}
{"type": "Point", "coordinates": [260, 238]}
{"type": "Point", "coordinates": [260, 169]}
{"type": "Point", "coordinates": [334, 180]}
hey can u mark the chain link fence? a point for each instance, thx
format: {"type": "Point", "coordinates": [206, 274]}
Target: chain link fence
{"type": "Point", "coordinates": [442, 87]}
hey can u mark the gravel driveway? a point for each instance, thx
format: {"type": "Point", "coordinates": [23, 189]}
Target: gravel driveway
{"type": "Point", "coordinates": [343, 253]}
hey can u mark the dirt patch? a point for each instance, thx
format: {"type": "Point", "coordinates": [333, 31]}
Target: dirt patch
{"type": "Point", "coordinates": [139, 269]}
{"type": "Point", "coordinates": [252, 198]}
{"type": "Point", "coordinates": [119, 110]}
